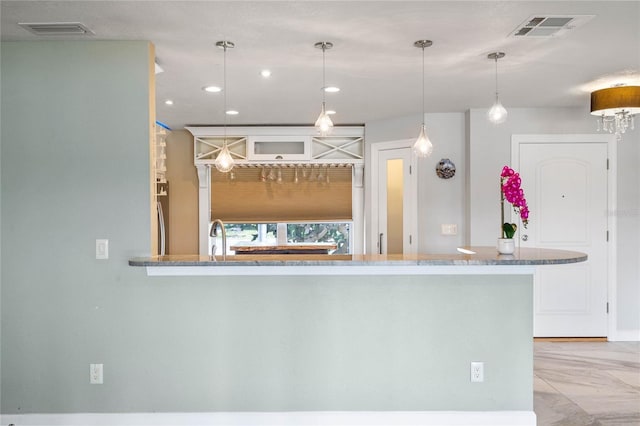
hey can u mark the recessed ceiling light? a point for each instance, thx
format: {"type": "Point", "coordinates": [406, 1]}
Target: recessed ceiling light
{"type": "Point", "coordinates": [331, 89]}
{"type": "Point", "coordinates": [265, 73]}
{"type": "Point", "coordinates": [232, 112]}
{"type": "Point", "coordinates": [168, 102]}
{"type": "Point", "coordinates": [330, 111]}
{"type": "Point", "coordinates": [212, 89]}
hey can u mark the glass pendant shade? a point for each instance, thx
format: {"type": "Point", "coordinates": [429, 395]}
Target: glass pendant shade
{"type": "Point", "coordinates": [423, 146]}
{"type": "Point", "coordinates": [224, 161]}
{"type": "Point", "coordinates": [497, 113]}
{"type": "Point", "coordinates": [324, 123]}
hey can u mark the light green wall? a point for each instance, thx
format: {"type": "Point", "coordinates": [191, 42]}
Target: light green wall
{"type": "Point", "coordinates": [75, 168]}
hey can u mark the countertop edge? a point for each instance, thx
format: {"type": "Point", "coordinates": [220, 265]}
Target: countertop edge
{"type": "Point", "coordinates": [146, 262]}
{"type": "Point", "coordinates": [485, 256]}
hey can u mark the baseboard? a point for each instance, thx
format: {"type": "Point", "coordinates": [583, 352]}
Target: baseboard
{"type": "Point", "coordinates": [626, 336]}
{"type": "Point", "coordinates": [569, 339]}
{"type": "Point", "coordinates": [619, 336]}
{"type": "Point", "coordinates": [320, 418]}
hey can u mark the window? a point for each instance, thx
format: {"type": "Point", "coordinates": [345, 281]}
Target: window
{"type": "Point", "coordinates": [338, 233]}
{"type": "Point", "coordinates": [322, 232]}
{"type": "Point", "coordinates": [284, 204]}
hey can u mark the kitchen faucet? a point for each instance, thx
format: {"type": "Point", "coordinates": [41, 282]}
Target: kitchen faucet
{"type": "Point", "coordinates": [214, 233]}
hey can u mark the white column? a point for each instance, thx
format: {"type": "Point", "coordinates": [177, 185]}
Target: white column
{"type": "Point", "coordinates": [357, 208]}
{"type": "Point", "coordinates": [204, 208]}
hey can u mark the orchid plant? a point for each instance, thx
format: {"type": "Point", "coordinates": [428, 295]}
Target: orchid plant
{"type": "Point", "coordinates": [511, 191]}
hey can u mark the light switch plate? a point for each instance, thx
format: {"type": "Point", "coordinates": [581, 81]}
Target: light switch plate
{"type": "Point", "coordinates": [102, 249]}
{"type": "Point", "coordinates": [449, 229]}
{"type": "Point", "coordinates": [96, 374]}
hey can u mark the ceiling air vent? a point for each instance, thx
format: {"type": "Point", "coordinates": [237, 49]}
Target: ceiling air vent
{"type": "Point", "coordinates": [549, 26]}
{"type": "Point", "coordinates": [56, 28]}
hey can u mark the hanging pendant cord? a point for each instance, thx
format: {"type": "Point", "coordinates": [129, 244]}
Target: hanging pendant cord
{"type": "Point", "coordinates": [224, 97]}
{"type": "Point", "coordinates": [422, 86]}
{"type": "Point", "coordinates": [323, 73]}
{"type": "Point", "coordinates": [496, 77]}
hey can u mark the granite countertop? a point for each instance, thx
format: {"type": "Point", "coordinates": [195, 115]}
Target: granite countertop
{"type": "Point", "coordinates": [481, 256]}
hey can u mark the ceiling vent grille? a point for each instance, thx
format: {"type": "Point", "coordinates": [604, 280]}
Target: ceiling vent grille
{"type": "Point", "coordinates": [56, 28]}
{"type": "Point", "coordinates": [549, 26]}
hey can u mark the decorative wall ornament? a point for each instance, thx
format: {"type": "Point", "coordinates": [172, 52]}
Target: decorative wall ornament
{"type": "Point", "coordinates": [445, 169]}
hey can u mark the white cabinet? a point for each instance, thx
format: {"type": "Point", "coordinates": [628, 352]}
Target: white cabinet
{"type": "Point", "coordinates": [278, 148]}
{"type": "Point", "coordinates": [251, 146]}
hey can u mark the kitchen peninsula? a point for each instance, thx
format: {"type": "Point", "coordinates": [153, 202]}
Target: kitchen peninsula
{"type": "Point", "coordinates": [372, 332]}
{"type": "Point", "coordinates": [487, 259]}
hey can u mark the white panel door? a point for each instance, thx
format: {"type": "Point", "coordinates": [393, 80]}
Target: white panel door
{"type": "Point", "coordinates": [396, 204]}
{"type": "Point", "coordinates": [566, 188]}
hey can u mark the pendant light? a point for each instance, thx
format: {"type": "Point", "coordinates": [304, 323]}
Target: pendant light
{"type": "Point", "coordinates": [224, 161]}
{"type": "Point", "coordinates": [423, 146]}
{"type": "Point", "coordinates": [615, 107]}
{"type": "Point", "coordinates": [323, 123]}
{"type": "Point", "coordinates": [497, 113]}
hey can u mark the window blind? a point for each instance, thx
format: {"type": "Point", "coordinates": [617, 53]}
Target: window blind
{"type": "Point", "coordinates": [281, 194]}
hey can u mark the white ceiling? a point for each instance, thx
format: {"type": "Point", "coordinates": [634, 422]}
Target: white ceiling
{"type": "Point", "coordinates": [373, 60]}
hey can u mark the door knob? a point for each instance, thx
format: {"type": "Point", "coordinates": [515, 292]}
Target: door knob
{"type": "Point", "coordinates": [525, 237]}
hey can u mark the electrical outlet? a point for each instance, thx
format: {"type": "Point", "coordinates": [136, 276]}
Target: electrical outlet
{"type": "Point", "coordinates": [102, 249]}
{"type": "Point", "coordinates": [477, 372]}
{"type": "Point", "coordinates": [96, 374]}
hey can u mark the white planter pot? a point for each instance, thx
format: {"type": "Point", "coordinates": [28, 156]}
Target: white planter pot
{"type": "Point", "coordinates": [506, 245]}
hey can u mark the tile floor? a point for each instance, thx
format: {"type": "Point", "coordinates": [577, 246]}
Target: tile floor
{"type": "Point", "coordinates": [587, 383]}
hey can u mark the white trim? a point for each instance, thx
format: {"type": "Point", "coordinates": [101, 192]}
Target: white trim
{"type": "Point", "coordinates": [159, 271]}
{"type": "Point", "coordinates": [612, 201]}
{"type": "Point", "coordinates": [625, 336]}
{"type": "Point", "coordinates": [612, 224]}
{"type": "Point", "coordinates": [299, 418]}
{"type": "Point", "coordinates": [563, 138]}
{"type": "Point", "coordinates": [356, 239]}
{"type": "Point", "coordinates": [271, 131]}
{"type": "Point", "coordinates": [373, 184]}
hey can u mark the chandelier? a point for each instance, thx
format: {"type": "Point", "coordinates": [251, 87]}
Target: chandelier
{"type": "Point", "coordinates": [616, 107]}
